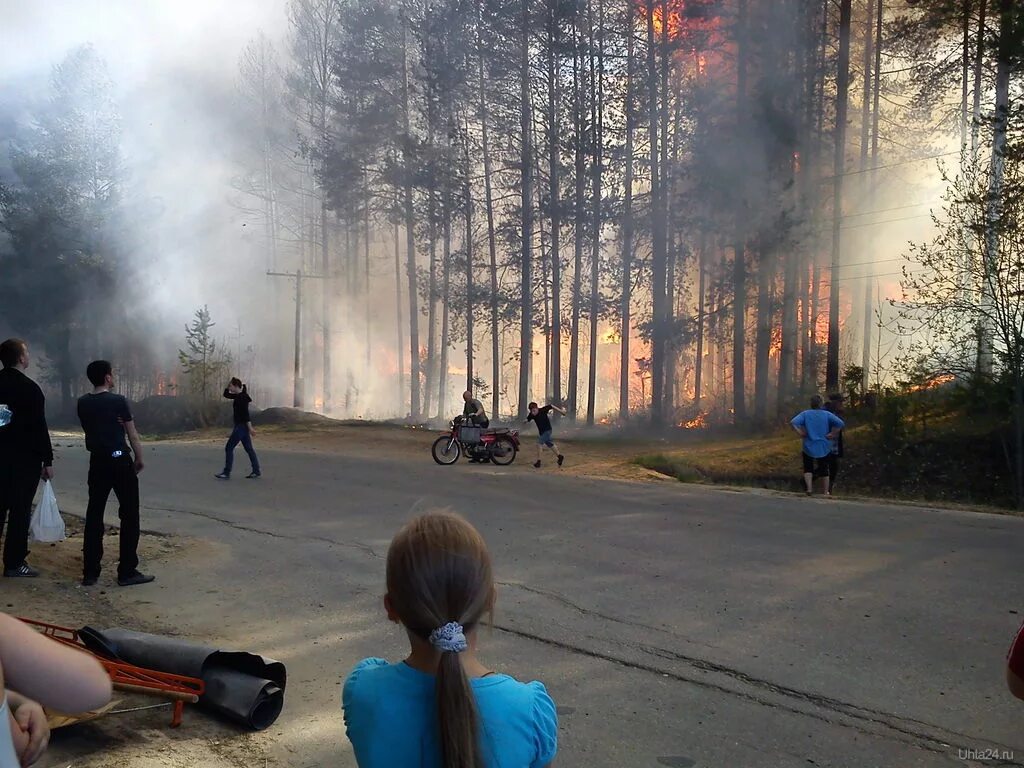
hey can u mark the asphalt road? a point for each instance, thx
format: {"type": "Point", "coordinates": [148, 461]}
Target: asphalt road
{"type": "Point", "coordinates": [674, 625]}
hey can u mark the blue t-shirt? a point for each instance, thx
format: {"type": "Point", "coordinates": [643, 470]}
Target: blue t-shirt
{"type": "Point", "coordinates": [390, 718]}
{"type": "Point", "coordinates": [817, 422]}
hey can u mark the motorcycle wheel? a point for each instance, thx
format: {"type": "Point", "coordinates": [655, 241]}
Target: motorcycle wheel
{"type": "Point", "coordinates": [446, 451]}
{"type": "Point", "coordinates": [507, 450]}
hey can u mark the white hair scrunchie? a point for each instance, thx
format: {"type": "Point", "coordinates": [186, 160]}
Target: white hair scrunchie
{"type": "Point", "coordinates": [451, 638]}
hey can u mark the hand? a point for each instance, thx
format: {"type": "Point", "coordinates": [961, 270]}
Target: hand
{"type": "Point", "coordinates": [252, 430]}
{"type": "Point", "coordinates": [47, 473]}
{"type": "Point", "coordinates": [139, 464]}
{"type": "Point", "coordinates": [32, 719]}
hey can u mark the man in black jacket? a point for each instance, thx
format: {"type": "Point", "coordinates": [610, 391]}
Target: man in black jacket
{"type": "Point", "coordinates": [242, 431]}
{"type": "Point", "coordinates": [26, 454]}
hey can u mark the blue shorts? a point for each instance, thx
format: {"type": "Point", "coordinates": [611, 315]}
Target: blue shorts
{"type": "Point", "coordinates": [545, 439]}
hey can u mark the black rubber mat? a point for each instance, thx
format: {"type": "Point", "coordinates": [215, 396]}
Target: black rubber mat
{"type": "Point", "coordinates": [243, 687]}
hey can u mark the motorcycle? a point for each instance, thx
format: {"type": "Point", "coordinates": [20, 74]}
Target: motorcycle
{"type": "Point", "coordinates": [499, 446]}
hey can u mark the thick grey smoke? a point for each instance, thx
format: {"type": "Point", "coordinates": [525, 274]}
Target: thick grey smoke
{"type": "Point", "coordinates": [174, 70]}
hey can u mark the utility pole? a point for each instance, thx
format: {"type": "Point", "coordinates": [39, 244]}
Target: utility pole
{"type": "Point", "coordinates": [298, 277]}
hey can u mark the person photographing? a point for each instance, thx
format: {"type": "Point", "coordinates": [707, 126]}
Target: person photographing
{"type": "Point", "coordinates": [242, 432]}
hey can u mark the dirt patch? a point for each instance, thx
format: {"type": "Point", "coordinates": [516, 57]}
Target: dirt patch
{"type": "Point", "coordinates": [136, 733]}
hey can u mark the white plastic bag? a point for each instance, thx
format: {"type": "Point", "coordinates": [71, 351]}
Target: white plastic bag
{"type": "Point", "coordinates": [47, 524]}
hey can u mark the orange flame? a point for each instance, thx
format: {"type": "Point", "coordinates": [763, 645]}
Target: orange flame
{"type": "Point", "coordinates": [933, 383]}
{"type": "Point", "coordinates": [700, 422]}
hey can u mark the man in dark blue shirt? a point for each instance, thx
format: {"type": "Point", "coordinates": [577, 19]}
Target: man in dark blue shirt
{"type": "Point", "coordinates": [25, 453]}
{"type": "Point", "coordinates": [106, 419]}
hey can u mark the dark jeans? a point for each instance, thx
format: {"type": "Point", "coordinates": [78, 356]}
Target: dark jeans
{"type": "Point", "coordinates": [18, 483]}
{"type": "Point", "coordinates": [108, 474]}
{"type": "Point", "coordinates": [240, 434]}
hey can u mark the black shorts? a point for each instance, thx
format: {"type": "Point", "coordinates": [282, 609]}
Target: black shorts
{"type": "Point", "coordinates": [818, 467]}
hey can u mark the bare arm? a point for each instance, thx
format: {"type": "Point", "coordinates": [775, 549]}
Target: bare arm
{"type": "Point", "coordinates": [136, 443]}
{"type": "Point", "coordinates": [55, 675]}
{"type": "Point", "coordinates": [556, 408]}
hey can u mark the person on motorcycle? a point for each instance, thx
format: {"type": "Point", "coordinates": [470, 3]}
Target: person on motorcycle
{"type": "Point", "coordinates": [474, 410]}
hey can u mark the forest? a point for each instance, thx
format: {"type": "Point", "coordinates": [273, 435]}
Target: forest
{"type": "Point", "coordinates": [657, 209]}
{"type": "Point", "coordinates": [677, 212]}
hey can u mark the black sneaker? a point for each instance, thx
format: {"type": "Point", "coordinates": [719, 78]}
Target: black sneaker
{"type": "Point", "coordinates": [536, 465]}
{"type": "Point", "coordinates": [222, 476]}
{"type": "Point", "coordinates": [89, 581]}
{"type": "Point", "coordinates": [23, 571]}
{"type": "Point", "coordinates": [561, 459]}
{"type": "Point", "coordinates": [253, 476]}
{"type": "Point", "coordinates": [134, 579]}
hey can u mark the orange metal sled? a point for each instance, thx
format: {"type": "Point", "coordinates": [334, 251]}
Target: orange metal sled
{"type": "Point", "coordinates": [179, 689]}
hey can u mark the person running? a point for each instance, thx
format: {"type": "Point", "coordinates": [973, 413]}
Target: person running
{"type": "Point", "coordinates": [835, 406]}
{"type": "Point", "coordinates": [106, 418]}
{"type": "Point", "coordinates": [242, 432]}
{"type": "Point", "coordinates": [474, 410]}
{"type": "Point", "coordinates": [817, 427]}
{"type": "Point", "coordinates": [442, 707]}
{"type": "Point", "coordinates": [540, 417]}
{"type": "Point", "coordinates": [26, 454]}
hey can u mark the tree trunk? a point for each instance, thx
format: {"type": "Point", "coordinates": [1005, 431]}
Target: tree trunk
{"type": "Point", "coordinates": [492, 243]}
{"type": "Point", "coordinates": [398, 323]}
{"type": "Point", "coordinates": [763, 342]}
{"type": "Point", "coordinates": [526, 281]}
{"type": "Point", "coordinates": [366, 281]}
{"type": "Point", "coordinates": [979, 70]}
{"type": "Point", "coordinates": [739, 275]}
{"type": "Point", "coordinates": [994, 209]}
{"type": "Point", "coordinates": [579, 225]}
{"type": "Point", "coordinates": [815, 346]}
{"type": "Point", "coordinates": [672, 238]}
{"type": "Point", "coordinates": [698, 363]}
{"type": "Point", "coordinates": [446, 267]}
{"type": "Point", "coordinates": [869, 306]}
{"type": "Point", "coordinates": [839, 170]}
{"type": "Point", "coordinates": [597, 118]}
{"type": "Point", "coordinates": [554, 149]}
{"type": "Point", "coordinates": [410, 233]}
{"type": "Point", "coordinates": [658, 253]}
{"type": "Point", "coordinates": [627, 226]}
{"type": "Point", "coordinates": [470, 303]}
{"type": "Point", "coordinates": [428, 392]}
{"type": "Point", "coordinates": [327, 285]}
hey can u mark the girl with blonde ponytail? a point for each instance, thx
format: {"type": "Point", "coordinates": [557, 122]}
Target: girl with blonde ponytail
{"type": "Point", "coordinates": [441, 707]}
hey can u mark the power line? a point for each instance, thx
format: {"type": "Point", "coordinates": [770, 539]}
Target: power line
{"type": "Point", "coordinates": [865, 277]}
{"type": "Point", "coordinates": [889, 165]}
{"type": "Point", "coordinates": [868, 263]}
{"type": "Point", "coordinates": [888, 221]}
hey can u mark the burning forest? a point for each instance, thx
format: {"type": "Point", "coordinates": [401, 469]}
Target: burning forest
{"type": "Point", "coordinates": [684, 211]}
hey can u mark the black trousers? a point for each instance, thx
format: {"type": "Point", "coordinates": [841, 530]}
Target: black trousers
{"type": "Point", "coordinates": [108, 474]}
{"type": "Point", "coordinates": [18, 483]}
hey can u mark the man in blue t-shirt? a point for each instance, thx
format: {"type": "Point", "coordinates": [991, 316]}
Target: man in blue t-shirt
{"type": "Point", "coordinates": [818, 428]}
